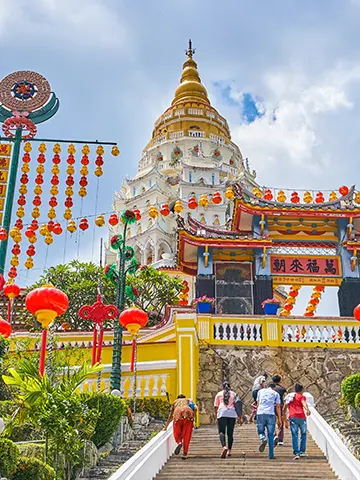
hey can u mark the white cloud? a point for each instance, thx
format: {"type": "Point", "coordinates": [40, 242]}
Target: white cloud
{"type": "Point", "coordinates": [80, 23]}
{"type": "Point", "coordinates": [297, 136]}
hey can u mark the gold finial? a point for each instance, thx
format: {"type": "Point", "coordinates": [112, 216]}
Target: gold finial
{"type": "Point", "coordinates": [190, 51]}
{"type": "Point", "coordinates": [190, 89]}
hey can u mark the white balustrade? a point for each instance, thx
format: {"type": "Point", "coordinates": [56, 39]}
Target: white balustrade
{"type": "Point", "coordinates": [196, 134]}
{"type": "Point", "coordinates": [231, 331]}
{"type": "Point", "coordinates": [179, 112]}
{"type": "Point", "coordinates": [195, 111]}
{"type": "Point", "coordinates": [210, 114]}
{"type": "Point", "coordinates": [167, 116]}
{"type": "Point", "coordinates": [216, 138]}
{"type": "Point", "coordinates": [158, 140]}
{"type": "Point", "coordinates": [302, 333]}
{"type": "Point", "coordinates": [176, 135]}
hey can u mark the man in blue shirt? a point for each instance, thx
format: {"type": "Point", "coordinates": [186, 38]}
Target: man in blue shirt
{"type": "Point", "coordinates": [268, 409]}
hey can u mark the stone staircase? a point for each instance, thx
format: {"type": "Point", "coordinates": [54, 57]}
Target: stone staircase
{"type": "Point", "coordinates": [246, 462]}
{"type": "Point", "coordinates": [112, 462]}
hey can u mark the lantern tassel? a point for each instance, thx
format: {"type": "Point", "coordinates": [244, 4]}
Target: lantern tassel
{"type": "Point", "coordinates": [43, 352]}
{"type": "Point", "coordinates": [133, 355]}
{"type": "Point", "coordinates": [9, 311]}
{"type": "Point", "coordinates": [93, 358]}
{"type": "Point", "coordinates": [101, 337]}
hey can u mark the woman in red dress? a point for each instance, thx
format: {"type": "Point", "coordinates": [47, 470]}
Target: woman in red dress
{"type": "Point", "coordinates": [182, 415]}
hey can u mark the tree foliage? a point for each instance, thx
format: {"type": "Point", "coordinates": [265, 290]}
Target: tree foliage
{"type": "Point", "coordinates": [56, 409]}
{"type": "Point", "coordinates": [155, 290]}
{"type": "Point", "coordinates": [80, 282]}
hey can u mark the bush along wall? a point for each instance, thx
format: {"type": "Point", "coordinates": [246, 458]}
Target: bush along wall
{"type": "Point", "coordinates": [111, 410]}
{"type": "Point", "coordinates": [350, 387]}
{"type": "Point", "coordinates": [33, 469]}
{"type": "Point", "coordinates": [9, 454]}
{"type": "Point", "coordinates": [155, 407]}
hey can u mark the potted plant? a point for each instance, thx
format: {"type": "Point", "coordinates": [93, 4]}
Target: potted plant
{"type": "Point", "coordinates": [270, 306]}
{"type": "Point", "coordinates": [204, 304]}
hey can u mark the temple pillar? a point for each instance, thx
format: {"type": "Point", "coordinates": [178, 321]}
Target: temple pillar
{"type": "Point", "coordinates": [348, 296]}
{"type": "Point", "coordinates": [263, 289]}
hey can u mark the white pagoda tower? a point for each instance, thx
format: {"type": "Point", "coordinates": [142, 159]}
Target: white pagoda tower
{"type": "Point", "coordinates": [190, 154]}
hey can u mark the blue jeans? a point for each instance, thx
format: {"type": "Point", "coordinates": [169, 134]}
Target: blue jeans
{"type": "Point", "coordinates": [297, 424]}
{"type": "Point", "coordinates": [266, 421]}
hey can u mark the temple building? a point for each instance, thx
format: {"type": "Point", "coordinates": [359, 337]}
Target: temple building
{"type": "Point", "coordinates": [202, 215]}
{"type": "Point", "coordinates": [190, 155]}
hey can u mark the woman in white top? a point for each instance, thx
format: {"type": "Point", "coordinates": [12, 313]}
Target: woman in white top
{"type": "Point", "coordinates": [228, 407]}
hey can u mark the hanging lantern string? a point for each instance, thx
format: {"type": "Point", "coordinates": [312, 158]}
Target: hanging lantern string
{"type": "Point", "coordinates": [96, 205]}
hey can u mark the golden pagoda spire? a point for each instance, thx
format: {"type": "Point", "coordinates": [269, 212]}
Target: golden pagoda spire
{"type": "Point", "coordinates": [190, 89]}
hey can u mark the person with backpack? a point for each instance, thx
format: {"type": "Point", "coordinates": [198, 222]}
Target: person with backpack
{"type": "Point", "coordinates": [182, 414]}
{"type": "Point", "coordinates": [297, 408]}
{"type": "Point", "coordinates": [279, 436]}
{"type": "Point", "coordinates": [268, 410]}
{"type": "Point", "coordinates": [228, 408]}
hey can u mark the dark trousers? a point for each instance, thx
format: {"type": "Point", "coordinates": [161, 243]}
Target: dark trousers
{"type": "Point", "coordinates": [226, 425]}
{"type": "Point", "coordinates": [280, 431]}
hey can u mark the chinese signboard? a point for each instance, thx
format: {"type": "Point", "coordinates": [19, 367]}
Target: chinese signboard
{"type": "Point", "coordinates": [326, 269]}
{"type": "Point", "coordinates": [5, 152]}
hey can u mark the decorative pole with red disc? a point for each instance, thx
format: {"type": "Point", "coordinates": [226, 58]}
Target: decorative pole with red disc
{"type": "Point", "coordinates": [11, 290]}
{"type": "Point", "coordinates": [46, 303]}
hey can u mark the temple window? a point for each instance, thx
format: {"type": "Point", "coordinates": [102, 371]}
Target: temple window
{"type": "Point", "coordinates": [128, 233]}
{"type": "Point", "coordinates": [190, 177]}
{"type": "Point", "coordinates": [150, 183]}
{"type": "Point", "coordinates": [143, 190]}
{"type": "Point", "coordinates": [213, 180]}
{"type": "Point", "coordinates": [139, 230]}
{"type": "Point", "coordinates": [195, 134]}
{"type": "Point", "coordinates": [202, 219]}
{"type": "Point", "coordinates": [147, 204]}
{"type": "Point", "coordinates": [134, 191]}
{"type": "Point", "coordinates": [216, 220]}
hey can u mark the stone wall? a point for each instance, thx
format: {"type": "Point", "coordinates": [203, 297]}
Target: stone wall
{"type": "Point", "coordinates": [319, 370]}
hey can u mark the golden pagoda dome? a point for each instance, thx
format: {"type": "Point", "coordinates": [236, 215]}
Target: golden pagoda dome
{"type": "Point", "coordinates": [190, 113]}
{"type": "Point", "coordinates": [190, 89]}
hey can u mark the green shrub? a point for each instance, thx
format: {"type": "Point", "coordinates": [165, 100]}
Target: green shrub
{"type": "Point", "coordinates": [350, 386]}
{"type": "Point", "coordinates": [155, 407]}
{"type": "Point", "coordinates": [33, 469]}
{"type": "Point", "coordinates": [36, 450]}
{"type": "Point", "coordinates": [111, 410]}
{"type": "Point", "coordinates": [9, 454]}
{"type": "Point", "coordinates": [25, 432]}
{"type": "Point", "coordinates": [6, 407]}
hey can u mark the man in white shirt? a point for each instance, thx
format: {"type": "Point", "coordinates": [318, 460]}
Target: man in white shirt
{"type": "Point", "coordinates": [268, 410]}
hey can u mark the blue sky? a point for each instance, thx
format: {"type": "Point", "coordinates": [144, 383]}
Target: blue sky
{"type": "Point", "coordinates": [115, 64]}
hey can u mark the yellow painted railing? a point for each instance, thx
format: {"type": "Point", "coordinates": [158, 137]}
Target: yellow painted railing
{"type": "Point", "coordinates": [332, 332]}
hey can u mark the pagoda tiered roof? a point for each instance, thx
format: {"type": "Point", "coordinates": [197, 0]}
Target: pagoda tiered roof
{"type": "Point", "coordinates": [248, 202]}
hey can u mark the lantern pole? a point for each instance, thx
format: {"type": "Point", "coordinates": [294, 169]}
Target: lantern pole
{"type": "Point", "coordinates": [115, 379]}
{"type": "Point", "coordinates": [135, 374]}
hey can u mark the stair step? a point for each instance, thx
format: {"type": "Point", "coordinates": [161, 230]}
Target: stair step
{"type": "Point", "coordinates": [246, 462]}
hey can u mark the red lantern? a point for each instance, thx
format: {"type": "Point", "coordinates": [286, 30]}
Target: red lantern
{"type": "Point", "coordinates": [34, 225]}
{"type": "Point", "coordinates": [16, 249]}
{"type": "Point", "coordinates": [343, 190]}
{"type": "Point", "coordinates": [50, 225]}
{"type": "Point", "coordinates": [37, 201]}
{"type": "Point", "coordinates": [29, 232]}
{"type": "Point", "coordinates": [268, 194]}
{"type": "Point", "coordinates": [53, 202]}
{"type": "Point", "coordinates": [192, 203]}
{"type": "Point", "coordinates": [288, 307]}
{"type": "Point", "coordinates": [113, 219]}
{"type": "Point", "coordinates": [30, 252]}
{"type": "Point", "coordinates": [295, 198]}
{"type": "Point", "coordinates": [39, 180]}
{"type": "Point", "coordinates": [319, 288]}
{"type": "Point", "coordinates": [5, 328]}
{"type": "Point", "coordinates": [319, 198]}
{"type": "Point", "coordinates": [357, 312]}
{"type": "Point", "coordinates": [133, 319]}
{"type": "Point", "coordinates": [99, 161]}
{"type": "Point", "coordinates": [24, 179]}
{"type": "Point", "coordinates": [56, 159]}
{"type": "Point", "coordinates": [293, 293]}
{"type": "Point", "coordinates": [19, 224]}
{"type": "Point", "coordinates": [70, 181]}
{"type": "Point", "coordinates": [83, 225]}
{"type": "Point", "coordinates": [216, 198]}
{"type": "Point", "coordinates": [46, 303]}
{"type": "Point", "coordinates": [57, 229]}
{"type": "Point", "coordinates": [314, 301]}
{"type": "Point", "coordinates": [12, 272]}
{"type": "Point", "coordinates": [83, 182]}
{"type": "Point", "coordinates": [137, 214]}
{"type": "Point", "coordinates": [68, 202]}
{"type": "Point", "coordinates": [54, 180]}
{"type": "Point", "coordinates": [308, 314]}
{"type": "Point", "coordinates": [11, 290]}
{"type": "Point", "coordinates": [165, 211]}
{"type": "Point", "coordinates": [22, 200]}
{"type": "Point", "coordinates": [3, 234]}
